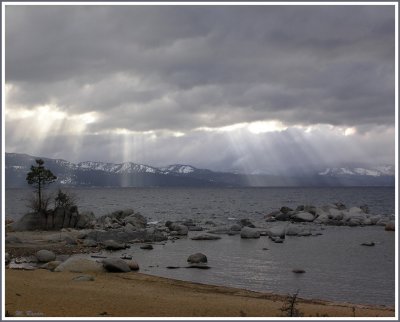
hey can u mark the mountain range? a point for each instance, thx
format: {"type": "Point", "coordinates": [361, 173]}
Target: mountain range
{"type": "Point", "coordinates": [129, 174]}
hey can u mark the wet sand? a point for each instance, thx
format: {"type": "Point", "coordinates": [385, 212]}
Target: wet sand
{"type": "Point", "coordinates": [56, 294]}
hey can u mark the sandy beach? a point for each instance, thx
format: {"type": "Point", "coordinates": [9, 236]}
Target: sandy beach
{"type": "Point", "coordinates": [52, 294]}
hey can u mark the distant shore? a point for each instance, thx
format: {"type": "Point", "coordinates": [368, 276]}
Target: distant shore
{"type": "Point", "coordinates": [49, 294]}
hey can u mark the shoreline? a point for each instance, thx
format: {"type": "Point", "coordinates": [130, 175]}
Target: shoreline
{"type": "Point", "coordinates": [56, 294]}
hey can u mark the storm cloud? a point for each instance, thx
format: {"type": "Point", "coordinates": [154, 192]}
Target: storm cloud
{"type": "Point", "coordinates": [164, 84]}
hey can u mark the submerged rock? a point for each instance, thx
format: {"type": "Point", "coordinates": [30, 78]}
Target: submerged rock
{"type": "Point", "coordinates": [205, 237]}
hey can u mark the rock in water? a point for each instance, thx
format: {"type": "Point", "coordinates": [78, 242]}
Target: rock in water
{"type": "Point", "coordinates": [205, 237]}
{"type": "Point", "coordinates": [147, 246]}
{"type": "Point", "coordinates": [197, 258]}
{"type": "Point", "coordinates": [45, 256]}
{"type": "Point", "coordinates": [133, 265]}
{"type": "Point", "coordinates": [298, 271]}
{"type": "Point", "coordinates": [303, 217]}
{"type": "Point", "coordinates": [116, 265]}
{"type": "Point", "coordinates": [113, 245]}
{"type": "Point", "coordinates": [390, 226]}
{"type": "Point", "coordinates": [248, 232]}
{"type": "Point", "coordinates": [368, 244]}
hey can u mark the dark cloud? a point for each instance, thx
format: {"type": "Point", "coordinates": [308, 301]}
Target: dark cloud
{"type": "Point", "coordinates": [179, 68]}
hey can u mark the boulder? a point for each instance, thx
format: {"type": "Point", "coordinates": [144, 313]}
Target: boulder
{"type": "Point", "coordinates": [235, 227]}
{"type": "Point", "coordinates": [390, 226]}
{"type": "Point", "coordinates": [248, 232]}
{"type": "Point", "coordinates": [79, 265]}
{"type": "Point", "coordinates": [197, 258]}
{"type": "Point", "coordinates": [335, 214]}
{"type": "Point", "coordinates": [205, 237]}
{"type": "Point", "coordinates": [113, 245]}
{"type": "Point", "coordinates": [116, 265]}
{"type": "Point", "coordinates": [303, 217]}
{"type": "Point", "coordinates": [195, 228]}
{"type": "Point", "coordinates": [51, 266]}
{"type": "Point", "coordinates": [278, 231]}
{"type": "Point", "coordinates": [147, 246]}
{"type": "Point", "coordinates": [285, 210]}
{"type": "Point", "coordinates": [271, 215]}
{"type": "Point", "coordinates": [246, 223]}
{"type": "Point", "coordinates": [181, 230]}
{"type": "Point", "coordinates": [85, 220]}
{"type": "Point", "coordinates": [293, 230]}
{"type": "Point", "coordinates": [45, 256]}
{"type": "Point", "coordinates": [89, 243]}
{"type": "Point", "coordinates": [283, 216]}
{"type": "Point", "coordinates": [136, 220]}
{"type": "Point", "coordinates": [133, 265]}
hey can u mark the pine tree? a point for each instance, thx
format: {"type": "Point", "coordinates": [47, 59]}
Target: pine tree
{"type": "Point", "coordinates": [38, 177]}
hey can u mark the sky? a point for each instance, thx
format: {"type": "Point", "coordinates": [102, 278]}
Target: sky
{"type": "Point", "coordinates": [257, 89]}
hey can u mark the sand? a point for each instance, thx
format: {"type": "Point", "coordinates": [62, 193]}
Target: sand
{"type": "Point", "coordinates": [52, 294]}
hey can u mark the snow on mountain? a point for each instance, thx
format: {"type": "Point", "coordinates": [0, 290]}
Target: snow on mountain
{"type": "Point", "coordinates": [377, 171]}
{"type": "Point", "coordinates": [178, 168]}
{"type": "Point", "coordinates": [126, 167]}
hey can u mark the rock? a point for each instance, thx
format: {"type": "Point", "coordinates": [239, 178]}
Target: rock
{"type": "Point", "coordinates": [12, 240]}
{"type": "Point", "coordinates": [51, 266]}
{"type": "Point", "coordinates": [271, 215]}
{"type": "Point", "coordinates": [85, 220]}
{"type": "Point", "coordinates": [205, 237]}
{"type": "Point", "coordinates": [84, 278]}
{"type": "Point", "coordinates": [365, 209]}
{"type": "Point", "coordinates": [113, 245]}
{"type": "Point", "coordinates": [219, 230]}
{"type": "Point", "coordinates": [7, 258]}
{"type": "Point", "coordinates": [172, 267]}
{"type": "Point", "coordinates": [246, 223]}
{"type": "Point", "coordinates": [277, 231]}
{"type": "Point", "coordinates": [116, 265]}
{"type": "Point", "coordinates": [304, 233]}
{"type": "Point", "coordinates": [181, 230]}
{"type": "Point", "coordinates": [340, 206]}
{"type": "Point", "coordinates": [195, 228]}
{"type": "Point", "coordinates": [283, 216]}
{"type": "Point", "coordinates": [335, 214]}
{"type": "Point", "coordinates": [303, 217]}
{"type": "Point", "coordinates": [45, 256]}
{"type": "Point", "coordinates": [285, 210]}
{"type": "Point", "coordinates": [125, 256]}
{"type": "Point", "coordinates": [368, 244]}
{"type": "Point", "coordinates": [248, 232]}
{"type": "Point", "coordinates": [375, 219]}
{"type": "Point", "coordinates": [133, 265]}
{"type": "Point", "coordinates": [197, 258]}
{"type": "Point", "coordinates": [147, 246]}
{"type": "Point", "coordinates": [136, 220]}
{"type": "Point", "coordinates": [390, 226]}
{"type": "Point", "coordinates": [70, 241]}
{"type": "Point", "coordinates": [89, 243]}
{"type": "Point", "coordinates": [24, 266]}
{"type": "Point", "coordinates": [298, 271]}
{"type": "Point", "coordinates": [277, 240]}
{"type": "Point", "coordinates": [293, 230]}
{"type": "Point", "coordinates": [79, 265]}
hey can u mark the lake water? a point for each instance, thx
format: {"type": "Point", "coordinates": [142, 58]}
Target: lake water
{"type": "Point", "coordinates": [337, 267]}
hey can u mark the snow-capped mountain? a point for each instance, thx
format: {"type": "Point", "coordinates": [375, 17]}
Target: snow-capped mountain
{"type": "Point", "coordinates": [129, 174]}
{"type": "Point", "coordinates": [378, 171]}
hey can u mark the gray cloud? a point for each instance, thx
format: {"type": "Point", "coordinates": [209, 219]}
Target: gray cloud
{"type": "Point", "coordinates": [180, 68]}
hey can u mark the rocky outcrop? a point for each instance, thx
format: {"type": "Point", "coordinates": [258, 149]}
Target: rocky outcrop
{"type": "Point", "coordinates": [333, 214]}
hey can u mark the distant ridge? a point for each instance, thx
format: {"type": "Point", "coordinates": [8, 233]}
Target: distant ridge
{"type": "Point", "coordinates": [129, 174]}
